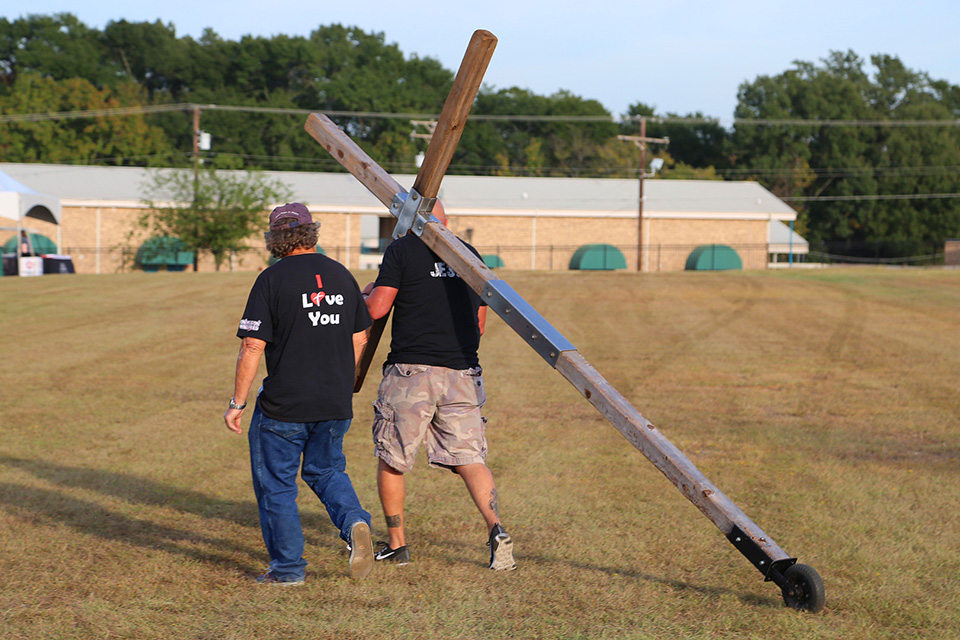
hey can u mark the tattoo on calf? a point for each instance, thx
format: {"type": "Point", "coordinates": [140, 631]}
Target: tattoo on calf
{"type": "Point", "coordinates": [493, 501]}
{"type": "Point", "coordinates": [393, 522]}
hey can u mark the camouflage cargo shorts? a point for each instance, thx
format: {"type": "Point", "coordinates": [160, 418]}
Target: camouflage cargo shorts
{"type": "Point", "coordinates": [436, 404]}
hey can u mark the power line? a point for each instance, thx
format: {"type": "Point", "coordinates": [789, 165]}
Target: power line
{"type": "Point", "coordinates": [821, 172]}
{"type": "Point", "coordinates": [91, 113]}
{"type": "Point", "coordinates": [850, 172]}
{"type": "Point", "coordinates": [909, 196]}
{"type": "Point", "coordinates": [183, 106]}
{"type": "Point", "coordinates": [846, 123]}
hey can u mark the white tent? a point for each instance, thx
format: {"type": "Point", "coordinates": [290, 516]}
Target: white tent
{"type": "Point", "coordinates": [18, 201]}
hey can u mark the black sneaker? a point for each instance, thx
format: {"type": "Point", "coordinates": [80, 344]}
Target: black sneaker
{"type": "Point", "coordinates": [400, 555]}
{"type": "Point", "coordinates": [501, 550]}
{"type": "Point", "coordinates": [361, 550]}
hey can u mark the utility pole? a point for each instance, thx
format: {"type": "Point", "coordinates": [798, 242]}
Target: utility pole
{"type": "Point", "coordinates": [431, 127]}
{"type": "Point", "coordinates": [196, 170]}
{"type": "Point", "coordinates": [641, 142]}
{"type": "Point", "coordinates": [196, 147]}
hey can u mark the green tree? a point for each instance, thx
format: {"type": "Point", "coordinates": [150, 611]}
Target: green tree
{"type": "Point", "coordinates": [523, 147]}
{"type": "Point", "coordinates": [697, 147]}
{"type": "Point", "coordinates": [126, 139]}
{"type": "Point", "coordinates": [213, 210]}
{"type": "Point", "coordinates": [58, 47]}
{"type": "Point", "coordinates": [151, 55]}
{"type": "Point", "coordinates": [860, 173]}
{"type": "Point", "coordinates": [678, 170]}
{"type": "Point", "coordinates": [357, 71]}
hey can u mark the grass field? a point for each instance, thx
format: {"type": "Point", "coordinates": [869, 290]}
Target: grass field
{"type": "Point", "coordinates": [825, 404]}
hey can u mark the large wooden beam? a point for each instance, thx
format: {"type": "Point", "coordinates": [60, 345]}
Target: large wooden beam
{"type": "Point", "coordinates": [444, 141]}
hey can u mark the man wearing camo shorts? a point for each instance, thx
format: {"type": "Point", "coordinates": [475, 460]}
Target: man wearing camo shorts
{"type": "Point", "coordinates": [432, 388]}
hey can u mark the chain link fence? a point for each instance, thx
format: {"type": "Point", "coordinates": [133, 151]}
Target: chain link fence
{"type": "Point", "coordinates": [653, 258]}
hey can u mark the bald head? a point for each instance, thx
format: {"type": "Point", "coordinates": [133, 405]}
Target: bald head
{"type": "Point", "coordinates": [440, 212]}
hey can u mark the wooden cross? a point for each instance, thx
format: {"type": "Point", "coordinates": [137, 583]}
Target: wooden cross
{"type": "Point", "coordinates": [800, 584]}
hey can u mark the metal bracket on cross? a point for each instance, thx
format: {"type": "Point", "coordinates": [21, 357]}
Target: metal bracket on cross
{"type": "Point", "coordinates": [526, 321]}
{"type": "Point", "coordinates": [412, 212]}
{"type": "Point", "coordinates": [800, 584]}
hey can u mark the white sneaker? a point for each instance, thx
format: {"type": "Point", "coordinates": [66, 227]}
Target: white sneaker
{"type": "Point", "coordinates": [361, 550]}
{"type": "Point", "coordinates": [501, 550]}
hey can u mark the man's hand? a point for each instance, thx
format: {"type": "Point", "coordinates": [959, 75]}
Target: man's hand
{"type": "Point", "coordinates": [232, 418]}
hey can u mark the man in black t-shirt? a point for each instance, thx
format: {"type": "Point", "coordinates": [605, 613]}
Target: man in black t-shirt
{"type": "Point", "coordinates": [307, 315]}
{"type": "Point", "coordinates": [432, 388]}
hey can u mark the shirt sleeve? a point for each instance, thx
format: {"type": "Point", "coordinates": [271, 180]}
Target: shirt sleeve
{"type": "Point", "coordinates": [257, 321]}
{"type": "Point", "coordinates": [390, 268]}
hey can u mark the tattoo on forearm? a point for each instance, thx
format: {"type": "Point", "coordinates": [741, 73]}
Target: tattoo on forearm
{"type": "Point", "coordinates": [393, 522]}
{"type": "Point", "coordinates": [493, 501]}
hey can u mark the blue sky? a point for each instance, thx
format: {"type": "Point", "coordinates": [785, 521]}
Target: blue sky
{"type": "Point", "coordinates": [680, 57]}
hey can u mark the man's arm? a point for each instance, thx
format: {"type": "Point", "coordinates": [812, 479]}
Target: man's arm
{"type": "Point", "coordinates": [379, 299]}
{"type": "Point", "coordinates": [248, 361]}
{"type": "Point", "coordinates": [482, 317]}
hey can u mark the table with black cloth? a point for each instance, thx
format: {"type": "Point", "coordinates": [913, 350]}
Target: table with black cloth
{"type": "Point", "coordinates": [52, 264]}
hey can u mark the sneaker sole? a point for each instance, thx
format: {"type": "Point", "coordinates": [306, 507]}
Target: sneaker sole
{"type": "Point", "coordinates": [503, 555]}
{"type": "Point", "coordinates": [361, 551]}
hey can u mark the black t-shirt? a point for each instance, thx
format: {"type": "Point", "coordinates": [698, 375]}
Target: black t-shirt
{"type": "Point", "coordinates": [306, 308]}
{"type": "Point", "coordinates": [435, 312]}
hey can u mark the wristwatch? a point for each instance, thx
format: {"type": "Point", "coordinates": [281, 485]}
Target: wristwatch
{"type": "Point", "coordinates": [234, 405]}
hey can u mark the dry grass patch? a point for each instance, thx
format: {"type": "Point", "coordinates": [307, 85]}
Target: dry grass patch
{"type": "Point", "coordinates": [824, 404]}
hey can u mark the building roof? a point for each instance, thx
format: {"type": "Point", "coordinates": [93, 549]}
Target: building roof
{"type": "Point", "coordinates": [475, 195]}
{"type": "Point", "coordinates": [779, 238]}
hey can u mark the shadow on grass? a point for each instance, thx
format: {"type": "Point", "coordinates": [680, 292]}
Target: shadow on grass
{"type": "Point", "coordinates": [91, 518]}
{"type": "Point", "coordinates": [136, 489]}
{"type": "Point", "coordinates": [751, 599]}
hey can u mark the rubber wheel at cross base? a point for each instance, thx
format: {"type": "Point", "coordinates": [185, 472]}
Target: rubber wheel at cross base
{"type": "Point", "coordinates": [805, 588]}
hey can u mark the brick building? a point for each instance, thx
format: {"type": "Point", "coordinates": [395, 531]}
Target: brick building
{"type": "Point", "coordinates": [951, 252]}
{"type": "Point", "coordinates": [521, 223]}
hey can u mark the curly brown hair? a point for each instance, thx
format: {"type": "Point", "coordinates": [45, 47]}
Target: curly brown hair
{"type": "Point", "coordinates": [283, 242]}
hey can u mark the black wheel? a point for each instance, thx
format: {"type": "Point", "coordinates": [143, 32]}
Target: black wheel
{"type": "Point", "coordinates": [804, 588]}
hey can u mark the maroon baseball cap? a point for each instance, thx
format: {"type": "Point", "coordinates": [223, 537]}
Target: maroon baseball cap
{"type": "Point", "coordinates": [287, 216]}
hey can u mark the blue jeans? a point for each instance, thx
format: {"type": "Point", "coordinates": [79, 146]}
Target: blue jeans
{"type": "Point", "coordinates": [276, 449]}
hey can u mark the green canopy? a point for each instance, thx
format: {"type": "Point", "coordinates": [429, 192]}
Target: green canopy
{"type": "Point", "coordinates": [163, 251]}
{"type": "Point", "coordinates": [492, 260]}
{"type": "Point", "coordinates": [41, 244]}
{"type": "Point", "coordinates": [602, 257]}
{"type": "Point", "coordinates": [713, 257]}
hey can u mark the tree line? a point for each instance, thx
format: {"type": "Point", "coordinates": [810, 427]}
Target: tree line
{"type": "Point", "coordinates": [853, 145]}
